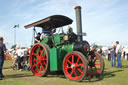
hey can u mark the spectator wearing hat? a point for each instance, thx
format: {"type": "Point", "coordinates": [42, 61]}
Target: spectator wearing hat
{"type": "Point", "coordinates": [2, 57]}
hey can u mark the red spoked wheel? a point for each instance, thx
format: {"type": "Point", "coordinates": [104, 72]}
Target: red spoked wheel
{"type": "Point", "coordinates": [39, 59]}
{"type": "Point", "coordinates": [75, 66]}
{"type": "Point", "coordinates": [96, 65]}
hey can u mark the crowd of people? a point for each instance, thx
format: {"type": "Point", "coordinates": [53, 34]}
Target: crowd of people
{"type": "Point", "coordinates": [20, 57]}
{"type": "Point", "coordinates": [114, 54]}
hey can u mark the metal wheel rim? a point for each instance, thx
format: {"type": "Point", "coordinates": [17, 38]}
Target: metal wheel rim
{"type": "Point", "coordinates": [74, 69]}
{"type": "Point", "coordinates": [98, 65]}
{"type": "Point", "coordinates": [38, 60]}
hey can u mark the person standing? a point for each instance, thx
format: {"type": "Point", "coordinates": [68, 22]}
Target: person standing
{"type": "Point", "coordinates": [20, 54]}
{"type": "Point", "coordinates": [14, 57]}
{"type": "Point", "coordinates": [112, 51]}
{"type": "Point", "coordinates": [118, 53]}
{"type": "Point", "coordinates": [109, 54]}
{"type": "Point", "coordinates": [100, 51]}
{"type": "Point", "coordinates": [2, 57]}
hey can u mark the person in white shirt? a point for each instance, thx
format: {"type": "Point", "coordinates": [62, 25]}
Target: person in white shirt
{"type": "Point", "coordinates": [118, 53]}
{"type": "Point", "coordinates": [20, 54]}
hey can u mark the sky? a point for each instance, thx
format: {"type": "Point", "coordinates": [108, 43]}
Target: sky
{"type": "Point", "coordinates": [104, 21]}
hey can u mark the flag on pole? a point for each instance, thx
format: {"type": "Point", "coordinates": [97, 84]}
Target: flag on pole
{"type": "Point", "coordinates": [16, 26]}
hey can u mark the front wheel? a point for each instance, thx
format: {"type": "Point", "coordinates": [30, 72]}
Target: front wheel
{"type": "Point", "coordinates": [75, 66]}
{"type": "Point", "coordinates": [39, 60]}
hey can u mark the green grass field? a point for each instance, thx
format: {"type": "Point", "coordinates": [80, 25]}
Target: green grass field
{"type": "Point", "coordinates": [112, 76]}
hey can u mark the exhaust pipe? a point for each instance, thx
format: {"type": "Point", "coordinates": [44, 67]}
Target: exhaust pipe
{"type": "Point", "coordinates": [79, 23]}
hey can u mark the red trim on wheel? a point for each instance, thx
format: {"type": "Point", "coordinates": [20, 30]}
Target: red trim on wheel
{"type": "Point", "coordinates": [38, 60]}
{"type": "Point", "coordinates": [74, 66]}
{"type": "Point", "coordinates": [96, 66]}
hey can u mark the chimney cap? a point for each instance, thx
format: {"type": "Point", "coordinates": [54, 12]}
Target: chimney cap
{"type": "Point", "coordinates": [77, 7]}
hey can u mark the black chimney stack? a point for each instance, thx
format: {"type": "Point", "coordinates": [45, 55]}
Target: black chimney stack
{"type": "Point", "coordinates": [79, 23]}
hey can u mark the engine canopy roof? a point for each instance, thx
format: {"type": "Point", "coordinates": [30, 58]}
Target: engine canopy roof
{"type": "Point", "coordinates": [51, 22]}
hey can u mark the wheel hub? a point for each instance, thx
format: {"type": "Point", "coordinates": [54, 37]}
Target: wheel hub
{"type": "Point", "coordinates": [38, 59]}
{"type": "Point", "coordinates": [73, 66]}
{"type": "Point", "coordinates": [91, 64]}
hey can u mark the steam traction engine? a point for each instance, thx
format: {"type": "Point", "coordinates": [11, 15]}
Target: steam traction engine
{"type": "Point", "coordinates": [64, 52]}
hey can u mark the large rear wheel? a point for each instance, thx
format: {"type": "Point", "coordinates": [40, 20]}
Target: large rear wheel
{"type": "Point", "coordinates": [75, 66]}
{"type": "Point", "coordinates": [96, 65]}
{"type": "Point", "coordinates": [39, 59]}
